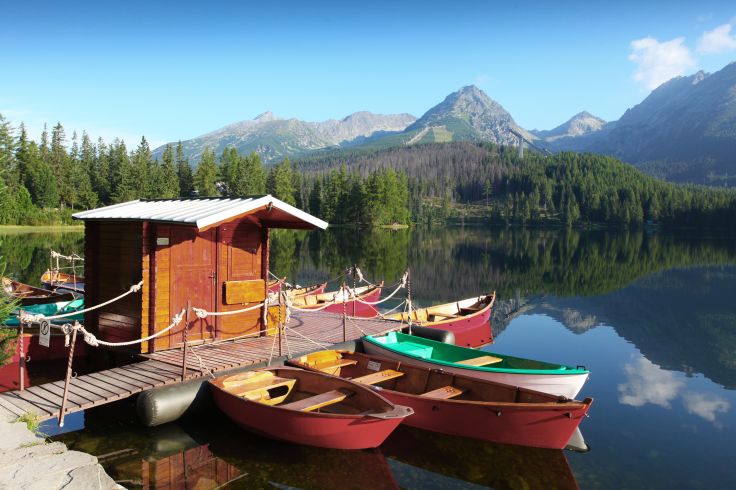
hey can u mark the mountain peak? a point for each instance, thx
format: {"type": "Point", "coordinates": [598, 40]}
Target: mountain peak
{"type": "Point", "coordinates": [267, 116]}
{"type": "Point", "coordinates": [580, 124]}
{"type": "Point", "coordinates": [468, 114]}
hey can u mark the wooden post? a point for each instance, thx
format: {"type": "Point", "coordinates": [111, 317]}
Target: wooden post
{"type": "Point", "coordinates": [408, 295]}
{"type": "Point", "coordinates": [21, 354]}
{"type": "Point", "coordinates": [68, 378]}
{"type": "Point", "coordinates": [354, 299]}
{"type": "Point", "coordinates": [186, 335]}
{"type": "Point", "coordinates": [281, 324]}
{"type": "Point", "coordinates": [344, 312]}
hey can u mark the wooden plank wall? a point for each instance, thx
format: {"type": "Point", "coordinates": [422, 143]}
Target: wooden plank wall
{"type": "Point", "coordinates": [115, 258]}
{"type": "Point", "coordinates": [239, 259]}
{"type": "Point", "coordinates": [162, 315]}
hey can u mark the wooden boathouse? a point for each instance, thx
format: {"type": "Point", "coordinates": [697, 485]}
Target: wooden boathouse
{"type": "Point", "coordinates": [209, 253]}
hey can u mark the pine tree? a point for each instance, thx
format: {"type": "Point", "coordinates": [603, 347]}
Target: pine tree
{"type": "Point", "coordinates": [205, 177]}
{"type": "Point", "coordinates": [122, 182]}
{"type": "Point", "coordinates": [184, 172]}
{"type": "Point", "coordinates": [39, 180]}
{"type": "Point", "coordinates": [280, 182]}
{"type": "Point", "coordinates": [8, 167]}
{"type": "Point", "coordinates": [315, 199]}
{"type": "Point", "coordinates": [169, 181]}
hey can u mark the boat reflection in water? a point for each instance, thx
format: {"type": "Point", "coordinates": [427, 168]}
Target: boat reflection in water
{"type": "Point", "coordinates": [216, 453]}
{"type": "Point", "coordinates": [427, 460]}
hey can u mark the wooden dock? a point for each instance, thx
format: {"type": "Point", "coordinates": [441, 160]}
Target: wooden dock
{"type": "Point", "coordinates": [305, 332]}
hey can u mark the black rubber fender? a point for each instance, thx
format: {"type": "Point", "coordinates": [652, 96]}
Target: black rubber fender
{"type": "Point", "coordinates": [437, 334]}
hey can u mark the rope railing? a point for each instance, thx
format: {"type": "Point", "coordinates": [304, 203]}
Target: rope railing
{"type": "Point", "coordinates": [202, 313]}
{"type": "Point", "coordinates": [402, 284]}
{"type": "Point", "coordinates": [90, 338]}
{"type": "Point", "coordinates": [38, 318]}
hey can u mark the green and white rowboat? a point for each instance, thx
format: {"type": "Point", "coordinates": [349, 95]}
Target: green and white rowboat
{"type": "Point", "coordinates": [542, 376]}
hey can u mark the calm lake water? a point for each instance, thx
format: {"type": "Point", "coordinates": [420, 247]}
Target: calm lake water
{"type": "Point", "coordinates": [653, 316]}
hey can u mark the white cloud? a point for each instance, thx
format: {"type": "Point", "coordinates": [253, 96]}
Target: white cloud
{"type": "Point", "coordinates": [704, 405]}
{"type": "Point", "coordinates": [718, 40]}
{"type": "Point", "coordinates": [648, 383]}
{"type": "Point", "coordinates": [658, 62]}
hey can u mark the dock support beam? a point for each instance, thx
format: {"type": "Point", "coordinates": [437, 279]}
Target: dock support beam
{"type": "Point", "coordinates": [21, 353]}
{"type": "Point", "coordinates": [68, 378]}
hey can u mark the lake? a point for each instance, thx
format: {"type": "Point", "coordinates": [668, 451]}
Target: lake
{"type": "Point", "coordinates": [652, 315]}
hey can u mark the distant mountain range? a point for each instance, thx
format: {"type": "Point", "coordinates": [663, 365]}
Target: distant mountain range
{"type": "Point", "coordinates": [685, 130]}
{"type": "Point", "coordinates": [275, 138]}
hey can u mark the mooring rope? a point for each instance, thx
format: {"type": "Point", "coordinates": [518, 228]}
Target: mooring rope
{"type": "Point", "coordinates": [72, 257]}
{"type": "Point", "coordinates": [401, 285]}
{"type": "Point", "coordinates": [202, 313]}
{"type": "Point", "coordinates": [95, 342]}
{"type": "Point", "coordinates": [27, 318]}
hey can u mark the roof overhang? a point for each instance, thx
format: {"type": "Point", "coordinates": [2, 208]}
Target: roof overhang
{"type": "Point", "coordinates": [204, 213]}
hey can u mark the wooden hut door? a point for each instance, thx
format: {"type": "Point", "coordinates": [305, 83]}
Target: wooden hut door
{"type": "Point", "coordinates": [193, 277]}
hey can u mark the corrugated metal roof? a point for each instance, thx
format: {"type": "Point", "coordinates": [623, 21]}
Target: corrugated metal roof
{"type": "Point", "coordinates": [199, 212]}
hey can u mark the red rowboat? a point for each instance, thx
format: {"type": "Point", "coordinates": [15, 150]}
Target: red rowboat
{"type": "Point", "coordinates": [307, 407]}
{"type": "Point", "coordinates": [275, 285]}
{"type": "Point", "coordinates": [459, 405]}
{"type": "Point", "coordinates": [467, 319]}
{"type": "Point", "coordinates": [337, 301]}
{"type": "Point", "coordinates": [29, 295]}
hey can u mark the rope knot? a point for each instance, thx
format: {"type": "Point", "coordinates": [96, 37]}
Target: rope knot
{"type": "Point", "coordinates": [404, 279]}
{"type": "Point", "coordinates": [136, 287]}
{"type": "Point", "coordinates": [200, 312]}
{"type": "Point", "coordinates": [359, 274]}
{"type": "Point", "coordinates": [25, 317]}
{"type": "Point", "coordinates": [177, 318]}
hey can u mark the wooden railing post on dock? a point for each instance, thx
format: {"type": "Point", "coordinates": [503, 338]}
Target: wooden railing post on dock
{"type": "Point", "coordinates": [21, 353]}
{"type": "Point", "coordinates": [408, 296]}
{"type": "Point", "coordinates": [344, 311]}
{"type": "Point", "coordinates": [355, 266]}
{"type": "Point", "coordinates": [68, 378]}
{"type": "Point", "coordinates": [281, 324]}
{"type": "Point", "coordinates": [186, 336]}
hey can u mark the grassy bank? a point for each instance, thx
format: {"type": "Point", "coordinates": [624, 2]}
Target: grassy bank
{"type": "Point", "coordinates": [5, 229]}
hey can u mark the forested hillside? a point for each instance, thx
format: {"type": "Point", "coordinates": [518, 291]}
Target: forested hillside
{"type": "Point", "coordinates": [484, 180]}
{"type": "Point", "coordinates": [43, 182]}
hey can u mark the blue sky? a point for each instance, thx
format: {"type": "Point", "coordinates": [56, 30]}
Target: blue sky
{"type": "Point", "coordinates": [174, 71]}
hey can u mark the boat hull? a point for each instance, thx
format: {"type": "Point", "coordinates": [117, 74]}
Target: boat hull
{"type": "Point", "coordinates": [567, 385]}
{"type": "Point", "coordinates": [369, 421]}
{"type": "Point", "coordinates": [353, 308]}
{"type": "Point", "coordinates": [524, 426]}
{"type": "Point", "coordinates": [330, 431]}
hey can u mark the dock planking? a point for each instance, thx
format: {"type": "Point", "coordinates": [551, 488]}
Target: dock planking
{"type": "Point", "coordinates": [306, 332]}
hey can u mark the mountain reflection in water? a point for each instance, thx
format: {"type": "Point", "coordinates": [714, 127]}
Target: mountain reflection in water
{"type": "Point", "coordinates": [652, 315]}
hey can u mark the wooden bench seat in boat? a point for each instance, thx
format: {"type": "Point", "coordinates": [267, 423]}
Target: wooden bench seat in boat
{"type": "Point", "coordinates": [259, 388]}
{"type": "Point", "coordinates": [337, 363]}
{"type": "Point", "coordinates": [318, 401]}
{"type": "Point", "coordinates": [371, 379]}
{"type": "Point", "coordinates": [480, 361]}
{"type": "Point", "coordinates": [444, 393]}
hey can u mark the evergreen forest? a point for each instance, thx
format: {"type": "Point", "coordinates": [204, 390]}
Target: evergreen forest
{"type": "Point", "coordinates": [45, 181]}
